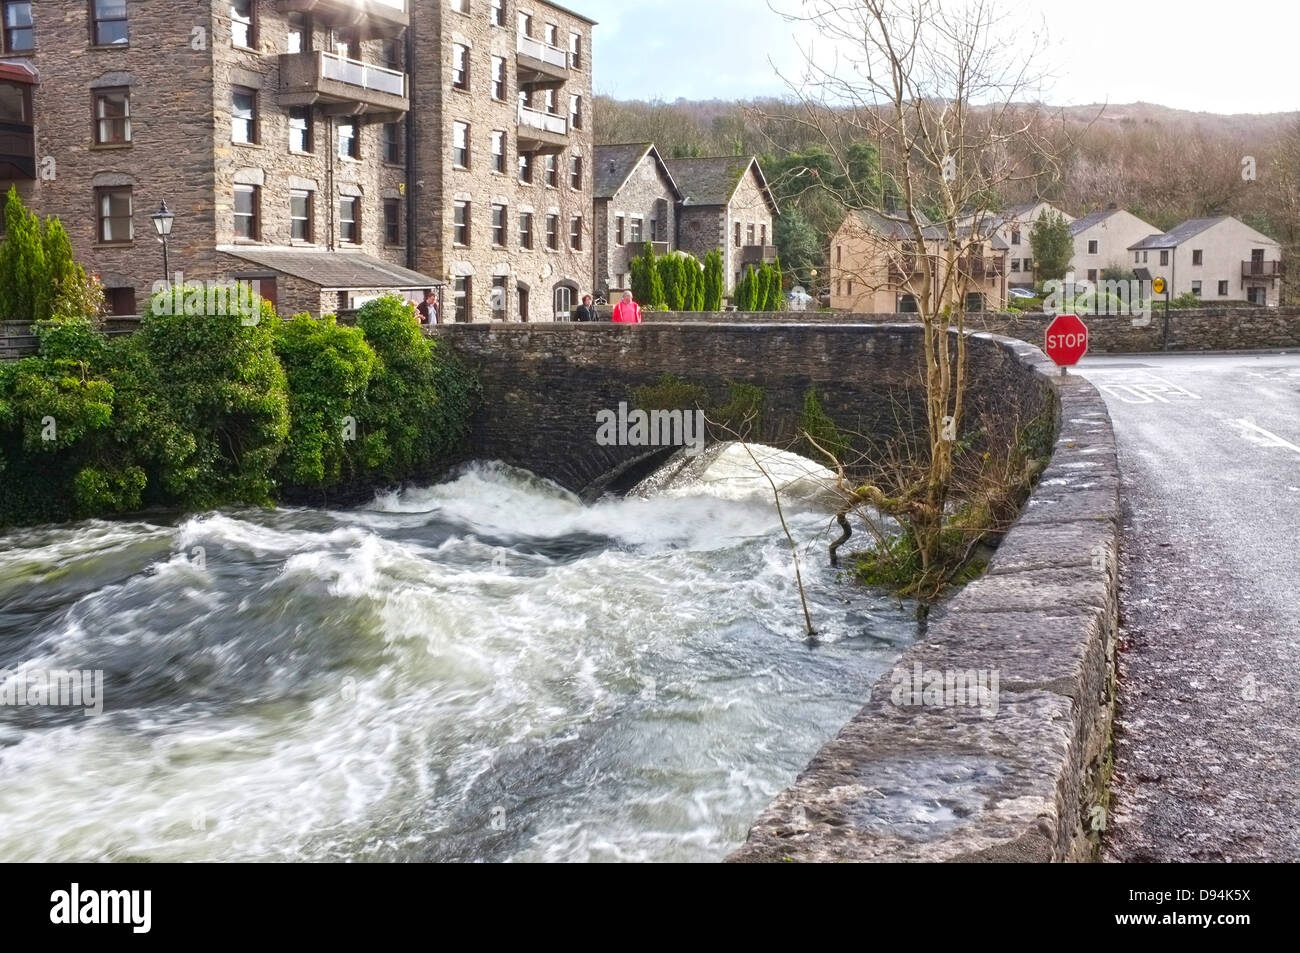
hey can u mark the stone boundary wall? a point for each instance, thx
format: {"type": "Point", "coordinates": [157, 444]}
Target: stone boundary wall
{"type": "Point", "coordinates": [1200, 329]}
{"type": "Point", "coordinates": [1026, 779]}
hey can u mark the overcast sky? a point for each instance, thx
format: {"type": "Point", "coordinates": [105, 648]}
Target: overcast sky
{"type": "Point", "coordinates": [1188, 54]}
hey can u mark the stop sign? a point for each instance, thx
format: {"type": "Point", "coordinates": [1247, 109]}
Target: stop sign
{"type": "Point", "coordinates": [1067, 340]}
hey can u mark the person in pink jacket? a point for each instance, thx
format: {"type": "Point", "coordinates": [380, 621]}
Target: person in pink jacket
{"type": "Point", "coordinates": [627, 311]}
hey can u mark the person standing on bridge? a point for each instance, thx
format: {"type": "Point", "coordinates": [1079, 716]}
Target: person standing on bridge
{"type": "Point", "coordinates": [428, 308]}
{"type": "Point", "coordinates": [585, 311]}
{"type": "Point", "coordinates": [627, 311]}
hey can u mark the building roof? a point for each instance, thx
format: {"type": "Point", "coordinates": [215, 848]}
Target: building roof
{"type": "Point", "coordinates": [1091, 219]}
{"type": "Point", "coordinates": [713, 180]}
{"type": "Point", "coordinates": [1179, 233]}
{"type": "Point", "coordinates": [333, 270]}
{"type": "Point", "coordinates": [572, 13]}
{"type": "Point", "coordinates": [615, 163]}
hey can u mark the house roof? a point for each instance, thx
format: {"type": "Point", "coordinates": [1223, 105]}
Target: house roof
{"type": "Point", "coordinates": [1179, 233]}
{"type": "Point", "coordinates": [1091, 219]}
{"type": "Point", "coordinates": [615, 163]}
{"type": "Point", "coordinates": [714, 180]}
{"type": "Point", "coordinates": [333, 270]}
{"type": "Point", "coordinates": [892, 229]}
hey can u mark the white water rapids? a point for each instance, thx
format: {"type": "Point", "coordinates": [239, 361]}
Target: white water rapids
{"type": "Point", "coordinates": [485, 669]}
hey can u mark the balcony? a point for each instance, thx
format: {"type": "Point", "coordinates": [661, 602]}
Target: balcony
{"type": "Point", "coordinates": [17, 151]}
{"type": "Point", "coordinates": [757, 254]}
{"type": "Point", "coordinates": [542, 131]}
{"type": "Point", "coordinates": [903, 268]}
{"type": "Point", "coordinates": [370, 19]}
{"type": "Point", "coordinates": [341, 86]}
{"type": "Point", "coordinates": [981, 268]}
{"type": "Point", "coordinates": [1263, 270]}
{"type": "Point", "coordinates": [541, 64]}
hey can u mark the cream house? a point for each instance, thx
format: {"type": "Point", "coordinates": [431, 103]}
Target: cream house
{"type": "Point", "coordinates": [1012, 226]}
{"type": "Point", "coordinates": [1102, 240]}
{"type": "Point", "coordinates": [1218, 259]}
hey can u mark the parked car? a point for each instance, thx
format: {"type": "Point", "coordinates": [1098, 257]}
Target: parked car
{"type": "Point", "coordinates": [1019, 293]}
{"type": "Point", "coordinates": [798, 300]}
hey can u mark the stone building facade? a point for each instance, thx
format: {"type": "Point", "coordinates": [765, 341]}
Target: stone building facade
{"type": "Point", "coordinates": [636, 201]}
{"type": "Point", "coordinates": [303, 143]}
{"type": "Point", "coordinates": [727, 206]}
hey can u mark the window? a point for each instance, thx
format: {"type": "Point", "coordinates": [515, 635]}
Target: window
{"type": "Point", "coordinates": [392, 221]}
{"type": "Point", "coordinates": [575, 172]}
{"type": "Point", "coordinates": [112, 116]}
{"type": "Point", "coordinates": [839, 287]}
{"type": "Point", "coordinates": [1144, 257]}
{"type": "Point", "coordinates": [839, 254]}
{"type": "Point", "coordinates": [549, 102]}
{"type": "Point", "coordinates": [497, 13]}
{"type": "Point", "coordinates": [392, 142]}
{"type": "Point", "coordinates": [1092, 274]}
{"type": "Point", "coordinates": [1196, 256]}
{"type": "Point", "coordinates": [618, 230]}
{"type": "Point", "coordinates": [350, 219]}
{"type": "Point", "coordinates": [575, 233]}
{"type": "Point", "coordinates": [552, 34]}
{"type": "Point", "coordinates": [1223, 289]}
{"type": "Point", "coordinates": [749, 234]}
{"type": "Point", "coordinates": [299, 33]}
{"type": "Point", "coordinates": [242, 29]}
{"type": "Point", "coordinates": [460, 66]}
{"type": "Point", "coordinates": [653, 233]}
{"type": "Point", "coordinates": [300, 217]}
{"type": "Point", "coordinates": [499, 226]}
{"type": "Point", "coordinates": [1015, 264]}
{"type": "Point", "coordinates": [460, 145]}
{"type": "Point", "coordinates": [762, 234]}
{"type": "Point", "coordinates": [461, 298]}
{"type": "Point", "coordinates": [552, 172]}
{"type": "Point", "coordinates": [243, 115]}
{"type": "Point", "coordinates": [526, 168]}
{"type": "Point", "coordinates": [575, 111]}
{"type": "Point", "coordinates": [525, 24]}
{"type": "Point", "coordinates": [1164, 256]}
{"type": "Point", "coordinates": [563, 299]}
{"type": "Point", "coordinates": [737, 234]}
{"type": "Point", "coordinates": [114, 209]}
{"type": "Point", "coordinates": [553, 232]}
{"type": "Point", "coordinates": [120, 300]}
{"type": "Point", "coordinates": [460, 6]}
{"type": "Point", "coordinates": [1196, 288]}
{"type": "Point", "coordinates": [301, 137]}
{"type": "Point", "coordinates": [1015, 236]}
{"type": "Point", "coordinates": [850, 286]}
{"type": "Point", "coordinates": [499, 152]}
{"type": "Point", "coordinates": [1092, 248]}
{"type": "Point", "coordinates": [349, 141]}
{"type": "Point", "coordinates": [1137, 257]}
{"type": "Point", "coordinates": [526, 230]}
{"type": "Point", "coordinates": [635, 229]}
{"type": "Point", "coordinates": [498, 78]}
{"type": "Point", "coordinates": [460, 224]}
{"type": "Point", "coordinates": [575, 50]}
{"type": "Point", "coordinates": [499, 298]}
{"type": "Point", "coordinates": [247, 200]}
{"type": "Point", "coordinates": [18, 33]}
{"type": "Point", "coordinates": [1027, 264]}
{"type": "Point", "coordinates": [108, 22]}
{"type": "Point", "coordinates": [390, 54]}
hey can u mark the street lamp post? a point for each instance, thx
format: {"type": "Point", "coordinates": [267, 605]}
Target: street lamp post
{"type": "Point", "coordinates": [162, 224]}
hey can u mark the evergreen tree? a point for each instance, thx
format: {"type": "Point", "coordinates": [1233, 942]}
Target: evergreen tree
{"type": "Point", "coordinates": [24, 279]}
{"type": "Point", "coordinates": [711, 288]}
{"type": "Point", "coordinates": [1052, 245]}
{"type": "Point", "coordinates": [64, 277]}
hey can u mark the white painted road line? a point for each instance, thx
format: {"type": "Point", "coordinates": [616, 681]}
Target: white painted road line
{"type": "Point", "coordinates": [1274, 439]}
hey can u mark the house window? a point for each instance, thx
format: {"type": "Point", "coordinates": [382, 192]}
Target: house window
{"type": "Point", "coordinates": [526, 230]}
{"type": "Point", "coordinates": [762, 234]}
{"type": "Point", "coordinates": [392, 142]}
{"type": "Point", "coordinates": [635, 228]}
{"type": "Point", "coordinates": [737, 234]}
{"type": "Point", "coordinates": [392, 221]}
{"type": "Point", "coordinates": [120, 300]}
{"type": "Point", "coordinates": [839, 287]}
{"type": "Point", "coordinates": [1015, 264]}
{"type": "Point", "coordinates": [460, 6]}
{"type": "Point", "coordinates": [349, 141]}
{"type": "Point", "coordinates": [525, 24]}
{"type": "Point", "coordinates": [1196, 256]}
{"type": "Point", "coordinates": [552, 172]}
{"type": "Point", "coordinates": [460, 224]}
{"type": "Point", "coordinates": [499, 298]}
{"type": "Point", "coordinates": [1092, 274]}
{"type": "Point", "coordinates": [526, 168]}
{"type": "Point", "coordinates": [1164, 257]}
{"type": "Point", "coordinates": [1196, 288]}
{"type": "Point", "coordinates": [461, 298]}
{"type": "Point", "coordinates": [1223, 289]}
{"type": "Point", "coordinates": [498, 78]}
{"type": "Point", "coordinates": [18, 33]}
{"type": "Point", "coordinates": [299, 33]}
{"type": "Point", "coordinates": [108, 22]}
{"type": "Point", "coordinates": [575, 50]}
{"type": "Point", "coordinates": [499, 152]}
{"type": "Point", "coordinates": [1027, 265]}
{"type": "Point", "coordinates": [114, 209]}
{"type": "Point", "coordinates": [247, 200]}
{"type": "Point", "coordinates": [497, 13]}
{"type": "Point", "coordinates": [749, 234]}
{"type": "Point", "coordinates": [112, 116]}
{"type": "Point", "coordinates": [575, 172]}
{"type": "Point", "coordinates": [839, 254]}
{"type": "Point", "coordinates": [390, 55]}
{"type": "Point", "coordinates": [575, 111]}
{"type": "Point", "coordinates": [618, 230]}
{"type": "Point", "coordinates": [499, 226]}
{"type": "Point", "coordinates": [243, 115]}
{"type": "Point", "coordinates": [552, 35]}
{"type": "Point", "coordinates": [553, 232]}
{"type": "Point", "coordinates": [350, 219]}
{"type": "Point", "coordinates": [301, 138]}
{"type": "Point", "coordinates": [460, 66]}
{"type": "Point", "coordinates": [300, 217]}
{"type": "Point", "coordinates": [1015, 236]}
{"type": "Point", "coordinates": [460, 145]}
{"type": "Point", "coordinates": [242, 30]}
{"type": "Point", "coordinates": [653, 233]}
{"type": "Point", "coordinates": [1137, 257]}
{"type": "Point", "coordinates": [575, 233]}
{"type": "Point", "coordinates": [850, 286]}
{"type": "Point", "coordinates": [1092, 248]}
{"type": "Point", "coordinates": [549, 102]}
{"type": "Point", "coordinates": [563, 298]}
{"type": "Point", "coordinates": [1144, 257]}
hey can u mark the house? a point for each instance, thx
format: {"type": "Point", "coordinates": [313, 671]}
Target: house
{"type": "Point", "coordinates": [1012, 226]}
{"type": "Point", "coordinates": [1218, 259]}
{"type": "Point", "coordinates": [331, 150]}
{"type": "Point", "coordinates": [1102, 240]}
{"type": "Point", "coordinates": [636, 201]}
{"type": "Point", "coordinates": [876, 268]}
{"type": "Point", "coordinates": [727, 205]}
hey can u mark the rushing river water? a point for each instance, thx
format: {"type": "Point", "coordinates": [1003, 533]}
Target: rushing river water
{"type": "Point", "coordinates": [485, 669]}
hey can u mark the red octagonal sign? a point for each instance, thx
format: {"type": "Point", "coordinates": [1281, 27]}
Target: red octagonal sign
{"type": "Point", "coordinates": [1067, 340]}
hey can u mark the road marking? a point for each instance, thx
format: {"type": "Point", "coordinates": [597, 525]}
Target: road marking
{"type": "Point", "coordinates": [1274, 439]}
{"type": "Point", "coordinates": [1147, 389]}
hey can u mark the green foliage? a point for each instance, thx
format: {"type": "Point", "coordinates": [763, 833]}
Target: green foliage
{"type": "Point", "coordinates": [670, 393]}
{"type": "Point", "coordinates": [1052, 245]}
{"type": "Point", "coordinates": [817, 425]}
{"type": "Point", "coordinates": [647, 283]}
{"type": "Point", "coordinates": [25, 290]}
{"type": "Point", "coordinates": [1187, 300]}
{"type": "Point", "coordinates": [675, 279]}
{"type": "Point", "coordinates": [743, 413]}
{"type": "Point", "coordinates": [712, 288]}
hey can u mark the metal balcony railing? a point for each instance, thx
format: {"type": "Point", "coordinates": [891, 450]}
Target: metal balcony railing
{"type": "Point", "coordinates": [356, 73]}
{"type": "Point", "coordinates": [1262, 269]}
{"type": "Point", "coordinates": [536, 119]}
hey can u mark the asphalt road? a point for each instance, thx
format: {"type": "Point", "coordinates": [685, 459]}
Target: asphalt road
{"type": "Point", "coordinates": [1208, 729]}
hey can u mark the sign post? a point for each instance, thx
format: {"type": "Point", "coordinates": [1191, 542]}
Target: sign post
{"type": "Point", "coordinates": [1066, 340]}
{"type": "Point", "coordinates": [1159, 286]}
